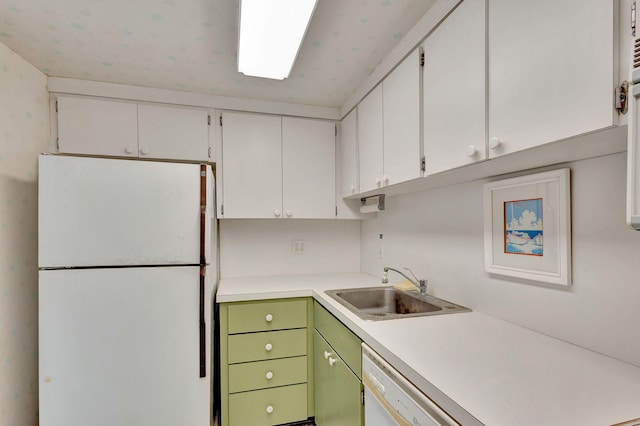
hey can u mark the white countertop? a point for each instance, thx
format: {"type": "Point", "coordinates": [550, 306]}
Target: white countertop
{"type": "Point", "coordinates": [478, 368]}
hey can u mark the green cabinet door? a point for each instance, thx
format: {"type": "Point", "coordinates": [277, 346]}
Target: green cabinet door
{"type": "Point", "coordinates": [337, 389]}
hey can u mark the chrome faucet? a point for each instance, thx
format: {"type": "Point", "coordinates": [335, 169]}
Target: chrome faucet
{"type": "Point", "coordinates": [421, 284]}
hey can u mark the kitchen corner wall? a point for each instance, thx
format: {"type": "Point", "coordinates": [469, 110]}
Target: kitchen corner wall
{"type": "Point", "coordinates": [439, 234]}
{"type": "Point", "coordinates": [263, 247]}
{"type": "Point", "coordinates": [24, 132]}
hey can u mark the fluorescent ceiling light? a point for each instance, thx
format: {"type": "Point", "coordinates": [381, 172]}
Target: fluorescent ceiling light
{"type": "Point", "coordinates": [271, 32]}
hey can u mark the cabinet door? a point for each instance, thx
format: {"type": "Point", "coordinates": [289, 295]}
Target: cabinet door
{"type": "Point", "coordinates": [173, 133]}
{"type": "Point", "coordinates": [337, 389]}
{"type": "Point", "coordinates": [551, 73]}
{"type": "Point", "coordinates": [308, 168]}
{"type": "Point", "coordinates": [401, 128]}
{"type": "Point", "coordinates": [251, 166]}
{"type": "Point", "coordinates": [370, 134]}
{"type": "Point", "coordinates": [348, 156]}
{"type": "Point", "coordinates": [454, 90]}
{"type": "Point", "coordinates": [97, 127]}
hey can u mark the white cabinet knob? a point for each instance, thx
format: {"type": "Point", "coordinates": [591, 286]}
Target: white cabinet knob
{"type": "Point", "coordinates": [144, 151]}
{"type": "Point", "coordinates": [353, 189]}
{"type": "Point", "coordinates": [268, 318]}
{"type": "Point", "coordinates": [495, 143]}
{"type": "Point", "coordinates": [128, 150]}
{"type": "Point", "coordinates": [378, 182]}
{"type": "Point", "coordinates": [326, 354]}
{"type": "Point", "coordinates": [276, 213]}
{"type": "Point", "coordinates": [268, 347]}
{"type": "Point", "coordinates": [471, 151]}
{"type": "Point", "coordinates": [269, 409]}
{"type": "Point", "coordinates": [289, 213]}
{"type": "Point", "coordinates": [269, 375]}
{"type": "Point", "coordinates": [385, 179]}
{"type": "Point", "coordinates": [332, 361]}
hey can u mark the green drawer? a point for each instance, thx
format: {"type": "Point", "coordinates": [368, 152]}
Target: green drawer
{"type": "Point", "coordinates": [266, 345]}
{"type": "Point", "coordinates": [287, 404]}
{"type": "Point", "coordinates": [267, 374]}
{"type": "Point", "coordinates": [248, 317]}
{"type": "Point", "coordinates": [346, 344]}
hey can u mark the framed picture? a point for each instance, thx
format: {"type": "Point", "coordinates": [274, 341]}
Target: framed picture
{"type": "Point", "coordinates": [527, 227]}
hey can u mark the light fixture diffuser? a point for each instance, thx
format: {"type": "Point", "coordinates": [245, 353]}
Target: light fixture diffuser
{"type": "Point", "coordinates": [271, 32]}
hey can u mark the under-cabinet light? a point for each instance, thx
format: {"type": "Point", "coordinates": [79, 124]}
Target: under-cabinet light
{"type": "Point", "coordinates": [271, 32]}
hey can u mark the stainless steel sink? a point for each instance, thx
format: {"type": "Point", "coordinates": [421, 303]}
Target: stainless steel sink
{"type": "Point", "coordinates": [382, 303]}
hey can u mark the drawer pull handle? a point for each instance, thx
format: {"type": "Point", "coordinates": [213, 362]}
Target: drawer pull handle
{"type": "Point", "coordinates": [269, 318]}
{"type": "Point", "coordinates": [332, 361]}
{"type": "Point", "coordinates": [326, 354]}
{"type": "Point", "coordinates": [268, 347]}
{"type": "Point", "coordinates": [269, 375]}
{"type": "Point", "coordinates": [269, 409]}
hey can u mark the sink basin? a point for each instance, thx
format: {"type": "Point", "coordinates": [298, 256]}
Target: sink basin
{"type": "Point", "coordinates": [382, 303]}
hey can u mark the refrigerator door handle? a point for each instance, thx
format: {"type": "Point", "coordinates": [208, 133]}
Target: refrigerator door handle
{"type": "Point", "coordinates": [203, 326]}
{"type": "Point", "coordinates": [203, 242]}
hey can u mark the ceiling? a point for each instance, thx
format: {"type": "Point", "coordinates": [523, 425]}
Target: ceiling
{"type": "Point", "coordinates": [190, 45]}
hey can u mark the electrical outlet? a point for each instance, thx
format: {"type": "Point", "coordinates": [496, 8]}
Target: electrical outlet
{"type": "Point", "coordinates": [297, 247]}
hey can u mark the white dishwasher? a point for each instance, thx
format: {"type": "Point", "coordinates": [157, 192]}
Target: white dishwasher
{"type": "Point", "coordinates": [390, 399]}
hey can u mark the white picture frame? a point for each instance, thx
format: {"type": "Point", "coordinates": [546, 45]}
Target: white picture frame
{"type": "Point", "coordinates": [527, 227]}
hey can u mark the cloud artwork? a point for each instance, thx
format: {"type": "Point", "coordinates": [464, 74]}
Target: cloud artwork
{"type": "Point", "coordinates": [523, 227]}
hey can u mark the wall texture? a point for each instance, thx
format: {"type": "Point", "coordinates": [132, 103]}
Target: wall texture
{"type": "Point", "coordinates": [439, 234]}
{"type": "Point", "coordinates": [263, 247]}
{"type": "Point", "coordinates": [24, 132]}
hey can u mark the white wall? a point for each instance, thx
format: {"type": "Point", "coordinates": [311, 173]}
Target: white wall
{"type": "Point", "coordinates": [24, 132]}
{"type": "Point", "coordinates": [263, 247]}
{"type": "Point", "coordinates": [439, 234]}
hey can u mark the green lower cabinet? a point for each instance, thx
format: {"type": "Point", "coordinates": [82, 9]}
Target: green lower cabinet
{"type": "Point", "coordinates": [269, 406]}
{"type": "Point", "coordinates": [266, 370]}
{"type": "Point", "coordinates": [337, 389]}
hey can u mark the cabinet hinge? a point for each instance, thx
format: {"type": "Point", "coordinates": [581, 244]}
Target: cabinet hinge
{"type": "Point", "coordinates": [209, 119]}
{"type": "Point", "coordinates": [336, 211]}
{"type": "Point", "coordinates": [336, 127]}
{"type": "Point", "coordinates": [633, 19]}
{"type": "Point", "coordinates": [56, 106]}
{"type": "Point", "coordinates": [222, 209]}
{"type": "Point", "coordinates": [621, 97]}
{"type": "Point", "coordinates": [209, 152]}
{"type": "Point", "coordinates": [221, 119]}
{"type": "Point", "coordinates": [423, 164]}
{"type": "Point", "coordinates": [58, 143]}
{"type": "Point", "coordinates": [362, 396]}
{"type": "Point", "coordinates": [422, 59]}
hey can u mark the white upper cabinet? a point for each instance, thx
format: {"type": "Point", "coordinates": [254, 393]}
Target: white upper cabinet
{"type": "Point", "coordinates": [401, 112]}
{"type": "Point", "coordinates": [97, 127]}
{"type": "Point", "coordinates": [370, 146]}
{"type": "Point", "coordinates": [173, 132]}
{"type": "Point", "coordinates": [251, 166]}
{"type": "Point", "coordinates": [126, 129]}
{"type": "Point", "coordinates": [551, 70]}
{"type": "Point", "coordinates": [308, 168]}
{"type": "Point", "coordinates": [454, 90]}
{"type": "Point", "coordinates": [389, 128]}
{"type": "Point", "coordinates": [277, 167]}
{"type": "Point", "coordinates": [348, 156]}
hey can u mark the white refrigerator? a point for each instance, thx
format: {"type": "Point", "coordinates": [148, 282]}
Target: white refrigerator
{"type": "Point", "coordinates": [127, 258]}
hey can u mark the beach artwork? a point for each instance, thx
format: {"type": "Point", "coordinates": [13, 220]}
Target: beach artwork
{"type": "Point", "coordinates": [523, 227]}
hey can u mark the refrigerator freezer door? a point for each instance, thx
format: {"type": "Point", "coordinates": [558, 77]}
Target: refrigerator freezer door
{"type": "Point", "coordinates": [121, 347]}
{"type": "Point", "coordinates": [106, 212]}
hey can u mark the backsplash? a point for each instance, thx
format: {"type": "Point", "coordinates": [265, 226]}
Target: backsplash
{"type": "Point", "coordinates": [264, 247]}
{"type": "Point", "coordinates": [439, 234]}
{"type": "Point", "coordinates": [24, 132]}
